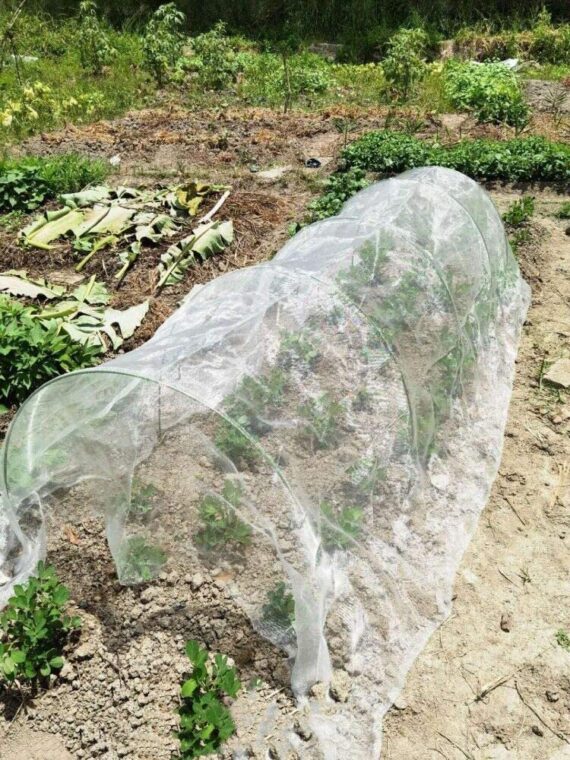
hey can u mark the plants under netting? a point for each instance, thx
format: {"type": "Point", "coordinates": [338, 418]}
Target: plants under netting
{"type": "Point", "coordinates": [326, 427]}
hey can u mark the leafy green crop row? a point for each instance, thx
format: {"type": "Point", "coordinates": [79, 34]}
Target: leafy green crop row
{"type": "Point", "coordinates": [528, 159]}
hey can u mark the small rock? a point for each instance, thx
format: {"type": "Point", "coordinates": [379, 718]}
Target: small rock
{"type": "Point", "coordinates": [559, 373]}
{"type": "Point", "coordinates": [196, 582]}
{"type": "Point", "coordinates": [319, 691]}
{"type": "Point", "coordinates": [303, 731]}
{"type": "Point", "coordinates": [537, 730]}
{"type": "Point", "coordinates": [67, 673]}
{"type": "Point", "coordinates": [148, 595]}
{"type": "Point", "coordinates": [276, 173]}
{"type": "Point", "coordinates": [85, 651]}
{"type": "Point", "coordinates": [552, 696]}
{"type": "Point", "coordinates": [340, 686]}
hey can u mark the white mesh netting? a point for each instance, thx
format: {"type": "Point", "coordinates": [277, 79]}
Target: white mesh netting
{"type": "Point", "coordinates": [327, 426]}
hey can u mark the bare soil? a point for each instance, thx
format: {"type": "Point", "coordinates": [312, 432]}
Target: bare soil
{"type": "Point", "coordinates": [493, 682]}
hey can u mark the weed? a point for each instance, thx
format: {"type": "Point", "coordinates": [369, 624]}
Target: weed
{"type": "Point", "coordinates": [563, 639]}
{"type": "Point", "coordinates": [279, 610]}
{"type": "Point", "coordinates": [254, 399]}
{"type": "Point", "coordinates": [140, 561]}
{"type": "Point", "coordinates": [34, 629]}
{"type": "Point", "coordinates": [205, 721]}
{"type": "Point", "coordinates": [95, 49]}
{"type": "Point", "coordinates": [222, 525]}
{"type": "Point", "coordinates": [564, 211]}
{"type": "Point", "coordinates": [298, 347]}
{"type": "Point", "coordinates": [490, 90]}
{"type": "Point", "coordinates": [162, 42]}
{"type": "Point", "coordinates": [519, 212]}
{"type": "Point", "coordinates": [32, 352]}
{"type": "Point", "coordinates": [323, 417]}
{"type": "Point", "coordinates": [519, 238]}
{"type": "Point", "coordinates": [404, 65]}
{"type": "Point", "coordinates": [340, 528]}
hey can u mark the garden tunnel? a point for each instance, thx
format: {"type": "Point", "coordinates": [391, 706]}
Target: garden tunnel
{"type": "Point", "coordinates": [326, 425]}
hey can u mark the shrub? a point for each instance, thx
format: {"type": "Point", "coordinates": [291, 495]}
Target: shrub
{"type": "Point", "coordinates": [205, 721]}
{"type": "Point", "coordinates": [33, 628]}
{"type": "Point", "coordinates": [26, 183]}
{"type": "Point", "coordinates": [526, 159]}
{"type": "Point", "coordinates": [216, 61]}
{"type": "Point", "coordinates": [32, 352]}
{"type": "Point", "coordinates": [404, 65]}
{"type": "Point", "coordinates": [162, 42]}
{"type": "Point", "coordinates": [95, 49]}
{"type": "Point", "coordinates": [490, 90]}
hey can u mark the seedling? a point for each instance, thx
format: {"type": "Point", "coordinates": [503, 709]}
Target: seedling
{"type": "Point", "coordinates": [236, 445]}
{"type": "Point", "coordinates": [205, 721]}
{"type": "Point", "coordinates": [564, 211]}
{"type": "Point", "coordinates": [362, 400]}
{"type": "Point", "coordinates": [142, 498]}
{"type": "Point", "coordinates": [563, 639]}
{"type": "Point", "coordinates": [141, 561]}
{"type": "Point", "coordinates": [221, 523]}
{"type": "Point", "coordinates": [279, 610]}
{"type": "Point", "coordinates": [323, 417]}
{"type": "Point", "coordinates": [365, 476]}
{"type": "Point", "coordinates": [340, 527]}
{"type": "Point", "coordinates": [33, 628]}
{"type": "Point", "coordinates": [519, 212]}
{"type": "Point", "coordinates": [298, 347]}
{"type": "Point", "coordinates": [254, 399]}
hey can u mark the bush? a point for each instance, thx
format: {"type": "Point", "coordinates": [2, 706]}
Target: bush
{"type": "Point", "coordinates": [162, 42]}
{"type": "Point", "coordinates": [33, 352]}
{"type": "Point", "coordinates": [95, 49]}
{"type": "Point", "coordinates": [404, 65]}
{"type": "Point", "coordinates": [527, 159]}
{"type": "Point", "coordinates": [490, 90]}
{"type": "Point", "coordinates": [26, 183]}
{"type": "Point", "coordinates": [205, 721]}
{"type": "Point", "coordinates": [215, 59]}
{"type": "Point", "coordinates": [33, 628]}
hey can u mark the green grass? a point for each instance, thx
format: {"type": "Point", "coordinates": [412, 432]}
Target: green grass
{"type": "Point", "coordinates": [553, 72]}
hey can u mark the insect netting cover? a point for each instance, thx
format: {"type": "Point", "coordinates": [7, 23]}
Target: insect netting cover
{"type": "Point", "coordinates": [326, 426]}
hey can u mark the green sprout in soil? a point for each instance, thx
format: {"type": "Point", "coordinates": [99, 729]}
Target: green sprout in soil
{"type": "Point", "coordinates": [279, 609]}
{"type": "Point", "coordinates": [563, 639]}
{"type": "Point", "coordinates": [222, 525]}
{"type": "Point", "coordinates": [141, 561]}
{"type": "Point", "coordinates": [236, 445]}
{"type": "Point", "coordinates": [519, 212]}
{"type": "Point", "coordinates": [205, 720]}
{"type": "Point", "coordinates": [34, 628]}
{"type": "Point", "coordinates": [298, 347]}
{"type": "Point", "coordinates": [323, 417]}
{"type": "Point", "coordinates": [340, 528]}
{"type": "Point", "coordinates": [251, 404]}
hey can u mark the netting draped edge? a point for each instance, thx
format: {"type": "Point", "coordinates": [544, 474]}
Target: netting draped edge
{"type": "Point", "coordinates": [341, 407]}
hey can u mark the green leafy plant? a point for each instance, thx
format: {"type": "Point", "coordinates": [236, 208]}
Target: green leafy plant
{"type": "Point", "coordinates": [253, 401]}
{"type": "Point", "coordinates": [323, 417]}
{"type": "Point", "coordinates": [140, 560]}
{"type": "Point", "coordinates": [563, 639]}
{"type": "Point", "coordinates": [162, 42]}
{"type": "Point", "coordinates": [236, 445]}
{"type": "Point", "coordinates": [216, 61]}
{"type": "Point", "coordinates": [404, 65]}
{"type": "Point", "coordinates": [339, 188]}
{"type": "Point", "coordinates": [340, 528]}
{"type": "Point", "coordinates": [519, 212]}
{"type": "Point", "coordinates": [27, 183]}
{"type": "Point", "coordinates": [95, 49]}
{"type": "Point", "coordinates": [522, 158]}
{"type": "Point", "coordinates": [34, 628]}
{"type": "Point", "coordinates": [365, 475]}
{"type": "Point", "coordinates": [222, 526]}
{"type": "Point", "coordinates": [142, 498]}
{"type": "Point", "coordinates": [205, 721]}
{"type": "Point", "coordinates": [298, 347]}
{"type": "Point", "coordinates": [564, 211]}
{"type": "Point", "coordinates": [490, 90]}
{"type": "Point", "coordinates": [279, 610]}
{"type": "Point", "coordinates": [33, 352]}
